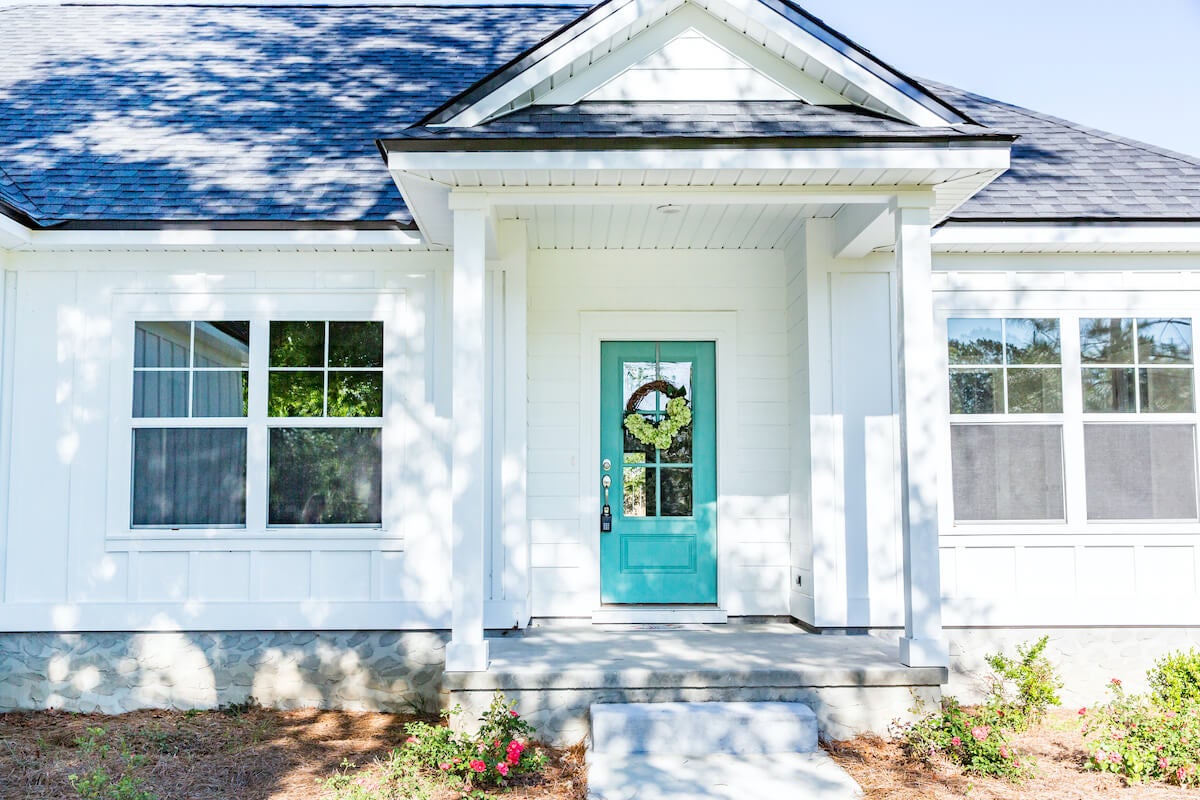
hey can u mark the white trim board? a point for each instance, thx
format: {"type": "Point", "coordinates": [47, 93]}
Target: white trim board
{"type": "Point", "coordinates": [1043, 238]}
{"type": "Point", "coordinates": [705, 326]}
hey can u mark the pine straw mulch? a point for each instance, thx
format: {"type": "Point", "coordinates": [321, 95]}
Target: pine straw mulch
{"type": "Point", "coordinates": [885, 772]}
{"type": "Point", "coordinates": [243, 753]}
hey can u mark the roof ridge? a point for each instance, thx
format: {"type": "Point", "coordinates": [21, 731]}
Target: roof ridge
{"type": "Point", "coordinates": [1108, 136]}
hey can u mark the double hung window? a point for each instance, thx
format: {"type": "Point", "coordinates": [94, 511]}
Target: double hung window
{"type": "Point", "coordinates": [217, 424]}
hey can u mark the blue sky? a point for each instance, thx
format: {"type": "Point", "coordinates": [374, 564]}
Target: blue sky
{"type": "Point", "coordinates": [1129, 68]}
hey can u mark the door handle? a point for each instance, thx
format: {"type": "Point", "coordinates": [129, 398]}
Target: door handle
{"type": "Point", "coordinates": [606, 511]}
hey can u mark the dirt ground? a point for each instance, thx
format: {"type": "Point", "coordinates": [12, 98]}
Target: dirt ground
{"type": "Point", "coordinates": [254, 754]}
{"type": "Point", "coordinates": [884, 772]}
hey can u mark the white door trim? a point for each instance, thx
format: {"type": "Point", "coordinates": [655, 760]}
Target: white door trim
{"type": "Point", "coordinates": [636, 326]}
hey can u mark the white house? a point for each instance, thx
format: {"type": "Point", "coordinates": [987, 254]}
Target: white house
{"type": "Point", "coordinates": [328, 333]}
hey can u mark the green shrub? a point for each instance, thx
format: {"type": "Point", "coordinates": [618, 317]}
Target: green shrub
{"type": "Point", "coordinates": [97, 783]}
{"type": "Point", "coordinates": [1142, 739]}
{"type": "Point", "coordinates": [975, 739]}
{"type": "Point", "coordinates": [1024, 688]}
{"type": "Point", "coordinates": [1175, 679]}
{"type": "Point", "coordinates": [435, 755]}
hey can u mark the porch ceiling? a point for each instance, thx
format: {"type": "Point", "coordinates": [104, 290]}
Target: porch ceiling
{"type": "Point", "coordinates": [644, 227]}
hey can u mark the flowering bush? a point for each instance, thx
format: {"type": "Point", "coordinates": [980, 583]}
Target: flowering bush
{"type": "Point", "coordinates": [1143, 739]}
{"type": "Point", "coordinates": [500, 750]}
{"type": "Point", "coordinates": [976, 739]}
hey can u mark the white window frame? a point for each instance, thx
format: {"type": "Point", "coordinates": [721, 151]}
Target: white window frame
{"type": "Point", "coordinates": [1072, 419]}
{"type": "Point", "coordinates": [400, 383]}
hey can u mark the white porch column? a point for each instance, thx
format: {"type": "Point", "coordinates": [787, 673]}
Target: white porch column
{"type": "Point", "coordinates": [922, 645]}
{"type": "Point", "coordinates": [467, 651]}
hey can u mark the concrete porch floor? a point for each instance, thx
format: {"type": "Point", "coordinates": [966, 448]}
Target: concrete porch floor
{"type": "Point", "coordinates": [855, 684]}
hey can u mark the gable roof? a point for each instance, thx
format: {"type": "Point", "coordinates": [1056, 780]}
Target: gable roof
{"type": "Point", "coordinates": [246, 115]}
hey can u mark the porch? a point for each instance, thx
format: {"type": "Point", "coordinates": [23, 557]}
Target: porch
{"type": "Point", "coordinates": [555, 672]}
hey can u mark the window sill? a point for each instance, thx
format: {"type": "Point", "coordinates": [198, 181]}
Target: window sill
{"type": "Point", "coordinates": [240, 539]}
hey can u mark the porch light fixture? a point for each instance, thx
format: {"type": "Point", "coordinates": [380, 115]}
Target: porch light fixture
{"type": "Point", "coordinates": [669, 208]}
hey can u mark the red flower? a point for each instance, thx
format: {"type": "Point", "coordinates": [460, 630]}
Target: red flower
{"type": "Point", "coordinates": [411, 740]}
{"type": "Point", "coordinates": [1116, 681]}
{"type": "Point", "coordinates": [513, 713]}
{"type": "Point", "coordinates": [444, 766]}
{"type": "Point", "coordinates": [478, 765]}
{"type": "Point", "coordinates": [1083, 711]}
{"type": "Point", "coordinates": [502, 768]}
{"type": "Point", "coordinates": [1162, 762]}
{"type": "Point", "coordinates": [956, 741]}
{"type": "Point", "coordinates": [981, 732]}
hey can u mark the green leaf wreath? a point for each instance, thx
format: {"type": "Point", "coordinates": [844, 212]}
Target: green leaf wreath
{"type": "Point", "coordinates": [679, 414]}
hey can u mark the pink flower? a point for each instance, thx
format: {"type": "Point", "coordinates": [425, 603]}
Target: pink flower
{"type": "Point", "coordinates": [955, 741]}
{"type": "Point", "coordinates": [502, 768]}
{"type": "Point", "coordinates": [513, 751]}
{"type": "Point", "coordinates": [1114, 758]}
{"type": "Point", "coordinates": [1003, 751]}
{"type": "Point", "coordinates": [1162, 762]}
{"type": "Point", "coordinates": [477, 765]}
{"type": "Point", "coordinates": [981, 732]}
{"type": "Point", "coordinates": [411, 740]}
{"type": "Point", "coordinates": [513, 712]}
{"type": "Point", "coordinates": [444, 766]}
{"type": "Point", "coordinates": [1170, 715]}
{"type": "Point", "coordinates": [1083, 711]}
{"type": "Point", "coordinates": [1116, 681]}
{"type": "Point", "coordinates": [1181, 773]}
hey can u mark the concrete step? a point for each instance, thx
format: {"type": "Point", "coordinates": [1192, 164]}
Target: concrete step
{"type": "Point", "coordinates": [811, 776]}
{"type": "Point", "coordinates": [702, 729]}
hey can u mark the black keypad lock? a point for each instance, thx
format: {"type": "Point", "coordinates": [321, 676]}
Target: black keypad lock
{"type": "Point", "coordinates": [606, 519]}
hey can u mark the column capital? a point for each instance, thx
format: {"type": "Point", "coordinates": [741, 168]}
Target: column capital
{"type": "Point", "coordinates": [469, 201]}
{"type": "Point", "coordinates": [912, 200]}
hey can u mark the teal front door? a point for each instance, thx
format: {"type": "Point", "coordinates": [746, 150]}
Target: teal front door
{"type": "Point", "coordinates": [662, 548]}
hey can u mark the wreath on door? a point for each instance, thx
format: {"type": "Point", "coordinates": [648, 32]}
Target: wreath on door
{"type": "Point", "coordinates": [662, 434]}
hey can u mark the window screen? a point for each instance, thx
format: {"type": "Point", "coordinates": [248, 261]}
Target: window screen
{"type": "Point", "coordinates": [1145, 471]}
{"type": "Point", "coordinates": [1007, 472]}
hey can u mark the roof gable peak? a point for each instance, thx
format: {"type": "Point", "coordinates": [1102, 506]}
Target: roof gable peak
{"type": "Point", "coordinates": [771, 49]}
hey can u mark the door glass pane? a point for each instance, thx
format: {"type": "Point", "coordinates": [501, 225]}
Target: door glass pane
{"type": "Point", "coordinates": [222, 344]}
{"type": "Point", "coordinates": [189, 476]}
{"type": "Point", "coordinates": [638, 374]}
{"type": "Point", "coordinates": [1034, 391]}
{"type": "Point", "coordinates": [677, 492]}
{"type": "Point", "coordinates": [679, 375]}
{"type": "Point", "coordinates": [976, 391]}
{"type": "Point", "coordinates": [219, 393]}
{"type": "Point", "coordinates": [355, 394]}
{"type": "Point", "coordinates": [325, 476]}
{"type": "Point", "coordinates": [160, 393]}
{"type": "Point", "coordinates": [636, 452]}
{"type": "Point", "coordinates": [1106, 341]}
{"type": "Point", "coordinates": [295, 394]}
{"type": "Point", "coordinates": [1166, 390]}
{"type": "Point", "coordinates": [356, 344]}
{"type": "Point", "coordinates": [1033, 341]}
{"type": "Point", "coordinates": [1110, 390]}
{"type": "Point", "coordinates": [680, 451]}
{"type": "Point", "coordinates": [297, 344]}
{"type": "Point", "coordinates": [975, 341]}
{"type": "Point", "coordinates": [161, 344]}
{"type": "Point", "coordinates": [639, 492]}
{"type": "Point", "coordinates": [1140, 471]}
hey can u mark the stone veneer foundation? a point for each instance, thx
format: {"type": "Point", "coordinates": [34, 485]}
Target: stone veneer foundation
{"type": "Point", "coordinates": [116, 672]}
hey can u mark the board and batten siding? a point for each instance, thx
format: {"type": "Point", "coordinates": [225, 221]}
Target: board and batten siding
{"type": "Point", "coordinates": [753, 515]}
{"type": "Point", "coordinates": [65, 568]}
{"type": "Point", "coordinates": [1077, 573]}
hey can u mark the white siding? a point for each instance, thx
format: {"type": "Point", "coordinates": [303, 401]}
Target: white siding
{"type": "Point", "coordinates": [754, 504]}
{"type": "Point", "coordinates": [64, 566]}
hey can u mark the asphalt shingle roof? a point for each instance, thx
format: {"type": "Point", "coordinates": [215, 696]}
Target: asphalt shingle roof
{"type": "Point", "coordinates": [243, 113]}
{"type": "Point", "coordinates": [700, 120]}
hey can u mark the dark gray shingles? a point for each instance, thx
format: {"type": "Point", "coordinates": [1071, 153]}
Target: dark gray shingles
{"type": "Point", "coordinates": [1062, 170]}
{"type": "Point", "coordinates": [224, 113]}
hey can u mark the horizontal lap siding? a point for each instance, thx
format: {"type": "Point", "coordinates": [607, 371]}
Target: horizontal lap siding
{"type": "Point", "coordinates": [60, 569]}
{"type": "Point", "coordinates": [754, 511]}
{"type": "Point", "coordinates": [1108, 574]}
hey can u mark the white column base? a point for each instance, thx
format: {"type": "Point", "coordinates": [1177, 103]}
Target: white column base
{"type": "Point", "coordinates": [467, 656]}
{"type": "Point", "coordinates": [924, 652]}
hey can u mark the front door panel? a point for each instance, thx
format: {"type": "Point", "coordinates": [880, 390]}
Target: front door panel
{"type": "Point", "coordinates": [662, 546]}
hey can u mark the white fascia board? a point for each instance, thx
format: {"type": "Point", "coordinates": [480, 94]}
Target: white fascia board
{"type": "Point", "coordinates": [555, 60]}
{"type": "Point", "coordinates": [1082, 238]}
{"type": "Point", "coordinates": [916, 157]}
{"type": "Point", "coordinates": [13, 234]}
{"type": "Point", "coordinates": [907, 107]}
{"type": "Point", "coordinates": [187, 239]}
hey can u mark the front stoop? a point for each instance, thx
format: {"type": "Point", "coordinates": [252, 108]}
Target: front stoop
{"type": "Point", "coordinates": [691, 751]}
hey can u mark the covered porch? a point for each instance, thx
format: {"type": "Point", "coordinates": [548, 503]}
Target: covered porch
{"type": "Point", "coordinates": [796, 215]}
{"type": "Point", "coordinates": [555, 672]}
